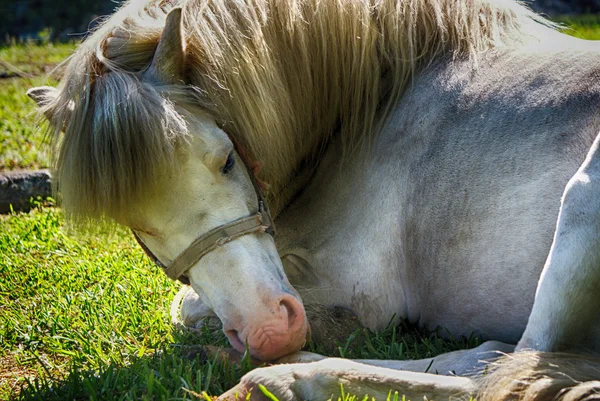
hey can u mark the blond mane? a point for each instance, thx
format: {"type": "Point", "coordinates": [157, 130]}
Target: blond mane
{"type": "Point", "coordinates": [280, 76]}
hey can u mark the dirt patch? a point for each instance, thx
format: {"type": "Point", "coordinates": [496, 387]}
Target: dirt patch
{"type": "Point", "coordinates": [13, 375]}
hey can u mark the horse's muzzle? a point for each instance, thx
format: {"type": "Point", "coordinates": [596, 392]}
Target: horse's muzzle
{"type": "Point", "coordinates": [280, 333]}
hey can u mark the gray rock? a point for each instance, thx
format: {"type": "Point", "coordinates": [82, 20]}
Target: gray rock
{"type": "Point", "coordinates": [17, 188]}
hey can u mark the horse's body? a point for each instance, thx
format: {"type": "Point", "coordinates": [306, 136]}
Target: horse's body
{"type": "Point", "coordinates": [449, 221]}
{"type": "Point", "coordinates": [418, 153]}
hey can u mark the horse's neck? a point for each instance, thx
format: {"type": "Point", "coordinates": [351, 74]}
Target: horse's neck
{"type": "Point", "coordinates": [322, 72]}
{"type": "Point", "coordinates": [296, 184]}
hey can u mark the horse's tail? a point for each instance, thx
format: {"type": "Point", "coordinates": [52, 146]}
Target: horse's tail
{"type": "Point", "coordinates": [537, 376]}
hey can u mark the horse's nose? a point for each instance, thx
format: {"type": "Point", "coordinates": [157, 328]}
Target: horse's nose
{"type": "Point", "coordinates": [284, 334]}
{"type": "Point", "coordinates": [278, 330]}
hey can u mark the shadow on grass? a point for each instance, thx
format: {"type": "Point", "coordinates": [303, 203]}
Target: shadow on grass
{"type": "Point", "coordinates": [182, 370]}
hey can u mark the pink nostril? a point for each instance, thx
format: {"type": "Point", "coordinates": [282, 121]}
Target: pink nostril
{"type": "Point", "coordinates": [295, 312]}
{"type": "Point", "coordinates": [235, 340]}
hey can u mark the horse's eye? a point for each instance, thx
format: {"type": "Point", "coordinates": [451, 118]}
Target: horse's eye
{"type": "Point", "coordinates": [228, 166]}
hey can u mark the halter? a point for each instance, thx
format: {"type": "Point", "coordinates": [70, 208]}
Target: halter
{"type": "Point", "coordinates": [260, 221]}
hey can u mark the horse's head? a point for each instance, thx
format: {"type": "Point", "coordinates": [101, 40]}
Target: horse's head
{"type": "Point", "coordinates": [241, 279]}
{"type": "Point", "coordinates": [178, 197]}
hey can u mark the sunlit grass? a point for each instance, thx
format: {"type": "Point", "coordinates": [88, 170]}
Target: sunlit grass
{"type": "Point", "coordinates": [21, 143]}
{"type": "Point", "coordinates": [87, 316]}
{"type": "Point", "coordinates": [24, 66]}
{"type": "Point", "coordinates": [584, 27]}
{"type": "Point", "coordinates": [33, 58]}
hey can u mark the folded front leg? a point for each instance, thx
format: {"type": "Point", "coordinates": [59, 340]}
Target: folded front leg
{"type": "Point", "coordinates": [566, 311]}
{"type": "Point", "coordinates": [322, 379]}
{"type": "Point", "coordinates": [462, 362]}
{"type": "Point", "coordinates": [327, 379]}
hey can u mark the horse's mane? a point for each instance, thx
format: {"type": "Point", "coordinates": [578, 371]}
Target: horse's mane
{"type": "Point", "coordinates": [281, 76]}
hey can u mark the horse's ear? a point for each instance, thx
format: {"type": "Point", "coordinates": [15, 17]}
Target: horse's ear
{"type": "Point", "coordinates": [43, 95]}
{"type": "Point", "coordinates": [168, 62]}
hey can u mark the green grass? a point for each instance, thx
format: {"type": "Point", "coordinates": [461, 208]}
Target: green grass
{"type": "Point", "coordinates": [34, 58]}
{"type": "Point", "coordinates": [21, 144]}
{"type": "Point", "coordinates": [584, 27]}
{"type": "Point", "coordinates": [86, 316]}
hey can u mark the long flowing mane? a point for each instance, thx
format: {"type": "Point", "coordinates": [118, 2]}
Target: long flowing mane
{"type": "Point", "coordinates": [280, 76]}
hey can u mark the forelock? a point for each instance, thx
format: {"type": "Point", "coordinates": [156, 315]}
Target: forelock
{"type": "Point", "coordinates": [121, 136]}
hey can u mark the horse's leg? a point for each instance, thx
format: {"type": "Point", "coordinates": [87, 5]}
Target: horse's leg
{"type": "Point", "coordinates": [188, 310]}
{"type": "Point", "coordinates": [327, 379]}
{"type": "Point", "coordinates": [460, 362]}
{"type": "Point", "coordinates": [567, 302]}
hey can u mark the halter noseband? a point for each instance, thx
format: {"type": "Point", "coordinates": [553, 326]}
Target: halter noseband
{"type": "Point", "coordinates": [260, 221]}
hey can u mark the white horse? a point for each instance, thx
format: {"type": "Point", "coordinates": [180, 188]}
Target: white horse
{"type": "Point", "coordinates": [416, 153]}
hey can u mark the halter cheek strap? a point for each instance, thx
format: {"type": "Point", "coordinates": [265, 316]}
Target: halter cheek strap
{"type": "Point", "coordinates": [154, 259]}
{"type": "Point", "coordinates": [219, 236]}
{"type": "Point", "coordinates": [258, 222]}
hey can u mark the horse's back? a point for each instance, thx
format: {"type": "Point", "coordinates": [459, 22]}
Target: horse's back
{"type": "Point", "coordinates": [486, 153]}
